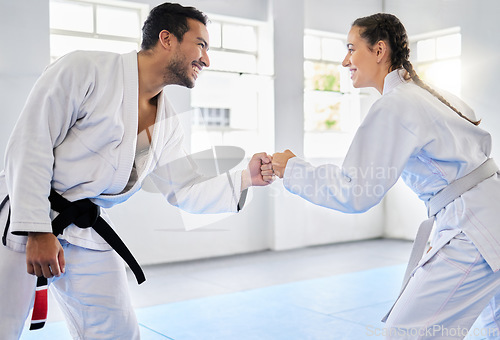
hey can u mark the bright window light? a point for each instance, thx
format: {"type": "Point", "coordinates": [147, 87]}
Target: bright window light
{"type": "Point", "coordinates": [426, 50]}
{"type": "Point", "coordinates": [232, 62]}
{"type": "Point", "coordinates": [449, 46]}
{"type": "Point", "coordinates": [95, 25]}
{"type": "Point", "coordinates": [62, 44]}
{"type": "Point", "coordinates": [239, 37]}
{"type": "Point", "coordinates": [312, 47]}
{"type": "Point", "coordinates": [333, 50]}
{"type": "Point", "coordinates": [124, 22]}
{"type": "Point", "coordinates": [438, 59]}
{"type": "Point", "coordinates": [443, 74]}
{"type": "Point", "coordinates": [331, 104]}
{"type": "Point", "coordinates": [71, 16]}
{"type": "Point", "coordinates": [214, 32]}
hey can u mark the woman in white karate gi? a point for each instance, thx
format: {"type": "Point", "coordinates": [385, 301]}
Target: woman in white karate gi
{"type": "Point", "coordinates": [94, 126]}
{"type": "Point", "coordinates": [414, 132]}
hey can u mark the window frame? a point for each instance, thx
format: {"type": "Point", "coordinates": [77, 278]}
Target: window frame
{"type": "Point", "coordinates": [259, 79]}
{"type": "Point", "coordinates": [346, 88]}
{"type": "Point", "coordinates": [352, 101]}
{"type": "Point", "coordinates": [435, 35]}
{"type": "Point", "coordinates": [142, 11]}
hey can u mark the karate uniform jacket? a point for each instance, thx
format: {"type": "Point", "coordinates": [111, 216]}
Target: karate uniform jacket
{"type": "Point", "coordinates": [77, 134]}
{"type": "Point", "coordinates": [408, 132]}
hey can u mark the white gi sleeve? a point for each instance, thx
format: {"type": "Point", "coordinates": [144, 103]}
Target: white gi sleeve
{"type": "Point", "coordinates": [178, 178]}
{"type": "Point", "coordinates": [376, 158]}
{"type": "Point", "coordinates": [50, 110]}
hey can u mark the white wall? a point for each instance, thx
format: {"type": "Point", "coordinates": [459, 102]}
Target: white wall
{"type": "Point", "coordinates": [336, 15]}
{"type": "Point", "coordinates": [272, 218]}
{"type": "Point", "coordinates": [24, 53]}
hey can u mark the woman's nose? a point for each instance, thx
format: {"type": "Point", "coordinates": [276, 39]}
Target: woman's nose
{"type": "Point", "coordinates": [346, 61]}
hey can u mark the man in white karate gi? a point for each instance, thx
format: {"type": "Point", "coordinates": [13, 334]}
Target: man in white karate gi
{"type": "Point", "coordinates": [94, 126]}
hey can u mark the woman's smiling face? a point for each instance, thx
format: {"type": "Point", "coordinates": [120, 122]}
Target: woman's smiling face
{"type": "Point", "coordinates": [361, 60]}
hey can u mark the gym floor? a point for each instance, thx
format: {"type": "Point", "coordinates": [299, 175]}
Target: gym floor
{"type": "Point", "coordinates": [338, 291]}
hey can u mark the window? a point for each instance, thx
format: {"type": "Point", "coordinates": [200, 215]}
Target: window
{"type": "Point", "coordinates": [233, 99]}
{"type": "Point", "coordinates": [95, 25]}
{"type": "Point", "coordinates": [438, 58]}
{"type": "Point", "coordinates": [205, 116]}
{"type": "Point", "coordinates": [331, 103]}
{"type": "Point", "coordinates": [233, 47]}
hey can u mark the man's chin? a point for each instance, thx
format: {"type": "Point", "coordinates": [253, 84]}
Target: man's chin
{"type": "Point", "coordinates": [188, 84]}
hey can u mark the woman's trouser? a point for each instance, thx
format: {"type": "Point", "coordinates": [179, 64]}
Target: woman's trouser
{"type": "Point", "coordinates": [446, 295]}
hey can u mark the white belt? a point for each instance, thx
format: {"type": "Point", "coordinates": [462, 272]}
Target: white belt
{"type": "Point", "coordinates": [435, 204]}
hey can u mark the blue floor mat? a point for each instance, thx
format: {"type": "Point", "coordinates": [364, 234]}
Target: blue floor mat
{"type": "Point", "coordinates": [347, 306]}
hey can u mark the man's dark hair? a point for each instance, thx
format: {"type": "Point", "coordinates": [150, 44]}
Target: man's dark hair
{"type": "Point", "coordinates": [171, 17]}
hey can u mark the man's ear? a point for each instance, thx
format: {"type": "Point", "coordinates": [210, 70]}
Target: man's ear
{"type": "Point", "coordinates": [165, 38]}
{"type": "Point", "coordinates": [382, 51]}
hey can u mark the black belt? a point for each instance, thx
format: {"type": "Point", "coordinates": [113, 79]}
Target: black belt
{"type": "Point", "coordinates": [85, 214]}
{"type": "Point", "coordinates": [4, 237]}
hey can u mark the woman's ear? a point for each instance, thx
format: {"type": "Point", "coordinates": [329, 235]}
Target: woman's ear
{"type": "Point", "coordinates": [382, 51]}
